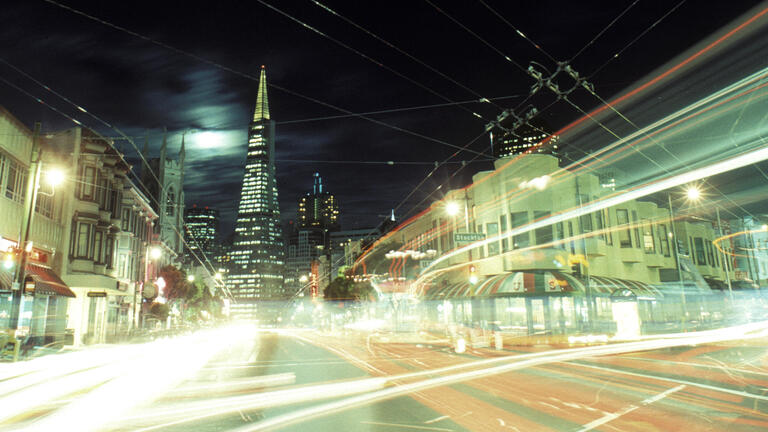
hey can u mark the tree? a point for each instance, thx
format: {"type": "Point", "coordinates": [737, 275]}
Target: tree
{"type": "Point", "coordinates": [343, 288]}
{"type": "Point", "coordinates": [176, 284]}
{"type": "Point", "coordinates": [159, 310]}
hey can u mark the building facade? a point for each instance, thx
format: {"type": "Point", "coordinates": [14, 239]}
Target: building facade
{"type": "Point", "coordinates": [258, 256]}
{"type": "Point", "coordinates": [532, 249]}
{"type": "Point", "coordinates": [163, 182]}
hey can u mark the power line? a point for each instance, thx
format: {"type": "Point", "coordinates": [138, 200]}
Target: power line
{"type": "Point", "coordinates": [246, 75]}
{"type": "Point", "coordinates": [520, 33]}
{"type": "Point", "coordinates": [80, 108]}
{"type": "Point", "coordinates": [361, 54]}
{"type": "Point", "coordinates": [603, 30]}
{"type": "Point", "coordinates": [488, 44]}
{"type": "Point", "coordinates": [632, 42]}
{"type": "Point", "coordinates": [387, 43]}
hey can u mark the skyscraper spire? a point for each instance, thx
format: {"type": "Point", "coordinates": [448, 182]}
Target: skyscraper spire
{"type": "Point", "coordinates": [258, 255]}
{"type": "Point", "coordinates": [262, 104]}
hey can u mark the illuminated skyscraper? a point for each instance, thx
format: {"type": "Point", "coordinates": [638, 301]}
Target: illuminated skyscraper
{"type": "Point", "coordinates": [318, 209]}
{"type": "Point", "coordinates": [257, 257]}
{"type": "Point", "coordinates": [202, 231]}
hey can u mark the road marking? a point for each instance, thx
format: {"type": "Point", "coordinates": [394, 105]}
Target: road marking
{"type": "Point", "coordinates": [661, 378]}
{"type": "Point", "coordinates": [608, 417]}
{"type": "Point", "coordinates": [437, 419]}
{"type": "Point", "coordinates": [406, 426]}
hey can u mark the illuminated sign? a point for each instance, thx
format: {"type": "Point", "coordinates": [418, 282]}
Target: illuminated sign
{"type": "Point", "coordinates": [468, 237]}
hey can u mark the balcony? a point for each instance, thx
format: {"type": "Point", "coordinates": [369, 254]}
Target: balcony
{"type": "Point", "coordinates": [632, 255]}
{"type": "Point", "coordinates": [595, 247]}
{"type": "Point", "coordinates": [537, 259]}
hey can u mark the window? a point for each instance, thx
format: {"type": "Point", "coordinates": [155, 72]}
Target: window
{"type": "Point", "coordinates": [97, 242]}
{"type": "Point", "coordinates": [607, 225]}
{"type": "Point", "coordinates": [171, 202]}
{"type": "Point", "coordinates": [83, 240]}
{"type": "Point", "coordinates": [16, 182]}
{"type": "Point", "coordinates": [636, 229]}
{"type": "Point", "coordinates": [503, 226]}
{"type": "Point", "coordinates": [600, 223]}
{"type": "Point", "coordinates": [622, 219]}
{"type": "Point", "coordinates": [517, 220]}
{"type": "Point", "coordinates": [493, 229]}
{"type": "Point", "coordinates": [710, 259]}
{"type": "Point", "coordinates": [88, 183]}
{"type": "Point", "coordinates": [664, 239]}
{"type": "Point", "coordinates": [109, 249]}
{"type": "Point", "coordinates": [570, 236]}
{"type": "Point", "coordinates": [44, 205]}
{"type": "Point", "coordinates": [126, 220]}
{"type": "Point", "coordinates": [560, 235]}
{"type": "Point", "coordinates": [701, 257]}
{"type": "Point", "coordinates": [544, 234]}
{"type": "Point", "coordinates": [649, 244]}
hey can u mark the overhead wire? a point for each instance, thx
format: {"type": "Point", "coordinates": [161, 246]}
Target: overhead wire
{"type": "Point", "coordinates": [387, 43]}
{"type": "Point", "coordinates": [603, 30]}
{"type": "Point", "coordinates": [632, 42]}
{"type": "Point", "coordinates": [97, 118]}
{"type": "Point", "coordinates": [246, 75]}
{"type": "Point", "coordinates": [363, 55]}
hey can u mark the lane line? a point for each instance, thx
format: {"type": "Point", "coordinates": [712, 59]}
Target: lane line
{"type": "Point", "coordinates": [437, 419]}
{"type": "Point", "coordinates": [679, 381]}
{"type": "Point", "coordinates": [406, 426]}
{"type": "Point", "coordinates": [613, 416]}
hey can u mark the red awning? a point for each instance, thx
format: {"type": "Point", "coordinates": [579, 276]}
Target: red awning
{"type": "Point", "coordinates": [47, 282]}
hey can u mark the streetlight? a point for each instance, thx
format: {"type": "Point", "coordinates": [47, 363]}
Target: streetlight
{"type": "Point", "coordinates": [190, 278]}
{"type": "Point", "coordinates": [30, 201]}
{"type": "Point", "coordinates": [677, 258]}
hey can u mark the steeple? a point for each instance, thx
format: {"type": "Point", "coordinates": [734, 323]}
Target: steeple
{"type": "Point", "coordinates": [164, 148]}
{"type": "Point", "coordinates": [182, 151]}
{"type": "Point", "coordinates": [262, 105]}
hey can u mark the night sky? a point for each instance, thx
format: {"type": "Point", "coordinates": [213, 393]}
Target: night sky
{"type": "Point", "coordinates": [140, 87]}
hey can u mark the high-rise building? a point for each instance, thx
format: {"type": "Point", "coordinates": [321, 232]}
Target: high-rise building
{"type": "Point", "coordinates": [524, 140]}
{"type": "Point", "coordinates": [202, 231]}
{"type": "Point", "coordinates": [318, 209]}
{"type": "Point", "coordinates": [257, 257]}
{"type": "Point", "coordinates": [317, 216]}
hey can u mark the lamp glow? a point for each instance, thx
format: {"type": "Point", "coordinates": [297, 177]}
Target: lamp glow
{"type": "Point", "coordinates": [452, 208]}
{"type": "Point", "coordinates": [54, 177]}
{"type": "Point", "coordinates": [693, 193]}
{"type": "Point", "coordinates": [155, 253]}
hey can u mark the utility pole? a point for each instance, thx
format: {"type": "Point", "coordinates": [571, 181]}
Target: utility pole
{"type": "Point", "coordinates": [725, 257]}
{"type": "Point", "coordinates": [677, 258]}
{"type": "Point", "coordinates": [30, 199]}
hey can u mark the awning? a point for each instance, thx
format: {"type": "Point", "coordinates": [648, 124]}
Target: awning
{"type": "Point", "coordinates": [530, 283]}
{"type": "Point", "coordinates": [607, 285]}
{"type": "Point", "coordinates": [47, 282]}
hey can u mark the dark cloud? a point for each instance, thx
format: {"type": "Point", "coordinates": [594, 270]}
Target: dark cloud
{"type": "Point", "coordinates": [141, 87]}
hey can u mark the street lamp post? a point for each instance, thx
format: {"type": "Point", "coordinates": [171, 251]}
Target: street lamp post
{"type": "Point", "coordinates": [30, 199]}
{"type": "Point", "coordinates": [677, 258]}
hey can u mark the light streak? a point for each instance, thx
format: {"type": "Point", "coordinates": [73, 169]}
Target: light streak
{"type": "Point", "coordinates": [742, 160]}
{"type": "Point", "coordinates": [747, 331]}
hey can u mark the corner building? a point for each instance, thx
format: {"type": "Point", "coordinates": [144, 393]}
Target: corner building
{"type": "Point", "coordinates": [257, 257]}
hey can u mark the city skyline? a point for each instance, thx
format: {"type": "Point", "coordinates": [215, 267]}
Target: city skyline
{"type": "Point", "coordinates": [213, 104]}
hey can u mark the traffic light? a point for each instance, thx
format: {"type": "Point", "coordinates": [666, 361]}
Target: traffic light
{"type": "Point", "coordinates": [472, 275]}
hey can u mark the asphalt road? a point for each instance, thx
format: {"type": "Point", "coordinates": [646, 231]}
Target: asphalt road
{"type": "Point", "coordinates": [311, 381]}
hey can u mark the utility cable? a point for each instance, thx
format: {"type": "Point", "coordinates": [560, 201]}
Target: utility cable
{"type": "Point", "coordinates": [245, 75]}
{"type": "Point", "coordinates": [363, 55]}
{"type": "Point", "coordinates": [603, 30]}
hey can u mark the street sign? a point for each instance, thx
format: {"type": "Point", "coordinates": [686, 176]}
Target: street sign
{"type": "Point", "coordinates": [468, 237]}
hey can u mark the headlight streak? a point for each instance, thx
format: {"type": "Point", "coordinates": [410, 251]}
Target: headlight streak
{"type": "Point", "coordinates": [230, 386]}
{"type": "Point", "coordinates": [137, 385]}
{"type": "Point", "coordinates": [129, 374]}
{"type": "Point", "coordinates": [748, 331]}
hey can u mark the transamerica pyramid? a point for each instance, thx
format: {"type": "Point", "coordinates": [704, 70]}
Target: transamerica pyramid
{"type": "Point", "coordinates": [258, 256]}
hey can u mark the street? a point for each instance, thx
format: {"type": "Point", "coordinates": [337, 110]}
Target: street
{"type": "Point", "coordinates": [281, 379]}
